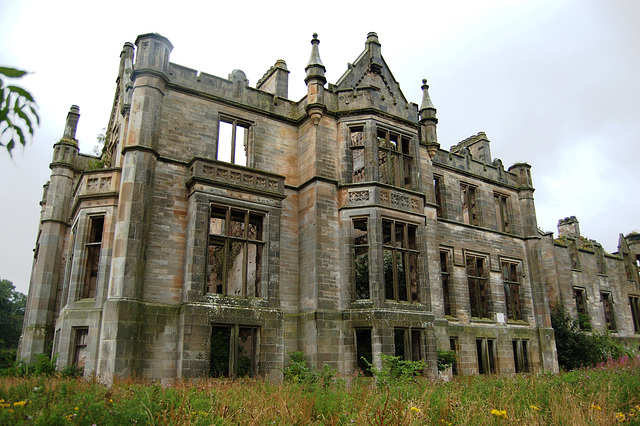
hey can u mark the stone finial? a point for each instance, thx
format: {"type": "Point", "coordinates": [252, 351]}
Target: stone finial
{"type": "Point", "coordinates": [72, 123]}
{"type": "Point", "coordinates": [426, 99]}
{"type": "Point", "coordinates": [375, 56]}
{"type": "Point", "coordinates": [315, 68]}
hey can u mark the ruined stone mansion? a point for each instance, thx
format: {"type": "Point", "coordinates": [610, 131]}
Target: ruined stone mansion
{"type": "Point", "coordinates": [225, 225]}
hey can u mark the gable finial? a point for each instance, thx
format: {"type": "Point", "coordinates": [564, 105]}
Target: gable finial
{"type": "Point", "coordinates": [426, 99]}
{"type": "Point", "coordinates": [315, 68]}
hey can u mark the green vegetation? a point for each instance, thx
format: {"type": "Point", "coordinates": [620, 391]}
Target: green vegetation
{"type": "Point", "coordinates": [579, 349]}
{"type": "Point", "coordinates": [18, 115]}
{"type": "Point", "coordinates": [446, 359]}
{"type": "Point", "coordinates": [12, 306]}
{"type": "Point", "coordinates": [601, 395]}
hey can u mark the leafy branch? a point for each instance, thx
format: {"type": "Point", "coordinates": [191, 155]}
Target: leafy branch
{"type": "Point", "coordinates": [18, 111]}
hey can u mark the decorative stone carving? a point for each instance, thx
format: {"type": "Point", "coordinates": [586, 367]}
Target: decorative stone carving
{"type": "Point", "coordinates": [355, 196]}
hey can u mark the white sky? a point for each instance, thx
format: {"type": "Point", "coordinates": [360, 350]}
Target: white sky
{"type": "Point", "coordinates": [552, 83]}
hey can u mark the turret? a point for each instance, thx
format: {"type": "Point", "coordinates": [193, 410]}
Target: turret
{"type": "Point", "coordinates": [428, 122]}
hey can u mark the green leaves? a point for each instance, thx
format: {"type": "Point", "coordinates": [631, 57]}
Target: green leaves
{"type": "Point", "coordinates": [18, 111]}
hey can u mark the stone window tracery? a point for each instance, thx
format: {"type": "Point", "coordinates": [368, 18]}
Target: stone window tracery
{"type": "Point", "coordinates": [394, 158]}
{"type": "Point", "coordinates": [478, 286]}
{"type": "Point", "coordinates": [400, 254]}
{"type": "Point", "coordinates": [236, 244]}
{"type": "Point", "coordinates": [511, 283]}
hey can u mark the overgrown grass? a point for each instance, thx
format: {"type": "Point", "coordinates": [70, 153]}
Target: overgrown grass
{"type": "Point", "coordinates": [602, 395]}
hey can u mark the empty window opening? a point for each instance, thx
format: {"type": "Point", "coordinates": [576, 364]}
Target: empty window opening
{"type": "Point", "coordinates": [478, 291]}
{"type": "Point", "coordinates": [486, 356]}
{"type": "Point", "coordinates": [394, 159]}
{"type": "Point", "coordinates": [502, 212]}
{"type": "Point", "coordinates": [400, 260]}
{"type": "Point", "coordinates": [453, 345]}
{"type": "Point", "coordinates": [233, 139]}
{"type": "Point", "coordinates": [408, 344]}
{"type": "Point", "coordinates": [361, 257]}
{"type": "Point", "coordinates": [364, 351]}
{"type": "Point", "coordinates": [233, 351]}
{"type": "Point", "coordinates": [80, 348]}
{"type": "Point", "coordinates": [512, 290]}
{"type": "Point", "coordinates": [469, 208]}
{"type": "Point", "coordinates": [236, 246]}
{"type": "Point", "coordinates": [356, 146]}
{"type": "Point", "coordinates": [607, 305]}
{"type": "Point", "coordinates": [93, 247]}
{"type": "Point", "coordinates": [446, 281]}
{"type": "Point", "coordinates": [584, 322]}
{"type": "Point", "coordinates": [634, 301]}
{"type": "Point", "coordinates": [437, 187]}
{"type": "Point", "coordinates": [521, 356]}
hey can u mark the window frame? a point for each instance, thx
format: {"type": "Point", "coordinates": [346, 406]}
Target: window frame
{"type": "Point", "coordinates": [360, 146]}
{"type": "Point", "coordinates": [634, 304]}
{"type": "Point", "coordinates": [80, 344]}
{"type": "Point", "coordinates": [486, 355]}
{"type": "Point", "coordinates": [480, 284]}
{"type": "Point", "coordinates": [93, 251]}
{"type": "Point", "coordinates": [512, 288]}
{"type": "Point", "coordinates": [225, 240]}
{"type": "Point", "coordinates": [521, 355]}
{"type": "Point", "coordinates": [235, 349]}
{"type": "Point", "coordinates": [409, 255]}
{"type": "Point", "coordinates": [411, 343]}
{"type": "Point", "coordinates": [402, 155]}
{"type": "Point", "coordinates": [503, 211]}
{"type": "Point", "coordinates": [364, 367]}
{"type": "Point", "coordinates": [235, 123]}
{"type": "Point", "coordinates": [446, 279]}
{"type": "Point", "coordinates": [361, 247]}
{"type": "Point", "coordinates": [609, 314]}
{"type": "Point", "coordinates": [438, 195]}
{"type": "Point", "coordinates": [580, 296]}
{"type": "Point", "coordinates": [469, 198]}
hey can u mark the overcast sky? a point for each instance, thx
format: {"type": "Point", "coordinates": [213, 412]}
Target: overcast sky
{"type": "Point", "coordinates": [553, 83]}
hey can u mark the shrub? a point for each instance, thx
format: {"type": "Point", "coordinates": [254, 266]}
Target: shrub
{"type": "Point", "coordinates": [446, 359]}
{"type": "Point", "coordinates": [300, 372]}
{"type": "Point", "coordinates": [396, 370]}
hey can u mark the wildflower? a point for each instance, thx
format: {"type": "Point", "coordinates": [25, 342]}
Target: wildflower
{"type": "Point", "coordinates": [621, 417]}
{"type": "Point", "coordinates": [533, 407]}
{"type": "Point", "coordinates": [596, 407]}
{"type": "Point", "coordinates": [415, 409]}
{"type": "Point", "coordinates": [19, 403]}
{"type": "Point", "coordinates": [76, 408]}
{"type": "Point", "coordinates": [499, 413]}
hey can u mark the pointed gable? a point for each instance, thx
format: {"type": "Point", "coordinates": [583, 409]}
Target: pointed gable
{"type": "Point", "coordinates": [371, 70]}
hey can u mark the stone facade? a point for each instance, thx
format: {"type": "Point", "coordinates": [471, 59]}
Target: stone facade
{"type": "Point", "coordinates": [225, 226]}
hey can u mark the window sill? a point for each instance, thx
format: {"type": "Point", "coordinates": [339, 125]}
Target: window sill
{"type": "Point", "coordinates": [483, 320]}
{"type": "Point", "coordinates": [517, 322]}
{"type": "Point", "coordinates": [451, 318]}
{"type": "Point", "coordinates": [240, 301]}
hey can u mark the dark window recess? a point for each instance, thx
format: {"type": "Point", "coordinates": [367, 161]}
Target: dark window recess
{"type": "Point", "coordinates": [407, 344]}
{"type": "Point", "coordinates": [437, 187]}
{"type": "Point", "coordinates": [361, 257]}
{"type": "Point", "coordinates": [446, 281]}
{"type": "Point", "coordinates": [394, 159]}
{"type": "Point", "coordinates": [233, 351]}
{"type": "Point", "coordinates": [400, 254]}
{"type": "Point", "coordinates": [584, 321]}
{"type": "Point", "coordinates": [236, 245]}
{"type": "Point", "coordinates": [502, 212]}
{"type": "Point", "coordinates": [469, 207]}
{"type": "Point", "coordinates": [364, 351]}
{"type": "Point", "coordinates": [512, 290]}
{"type": "Point", "coordinates": [233, 137]}
{"type": "Point", "coordinates": [356, 146]}
{"type": "Point", "coordinates": [634, 302]}
{"type": "Point", "coordinates": [607, 305]}
{"type": "Point", "coordinates": [486, 356]}
{"type": "Point", "coordinates": [93, 247]}
{"type": "Point", "coordinates": [453, 345]}
{"type": "Point", "coordinates": [80, 349]}
{"type": "Point", "coordinates": [478, 291]}
{"type": "Point", "coordinates": [521, 355]}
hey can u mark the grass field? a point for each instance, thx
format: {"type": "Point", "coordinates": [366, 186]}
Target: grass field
{"type": "Point", "coordinates": [602, 396]}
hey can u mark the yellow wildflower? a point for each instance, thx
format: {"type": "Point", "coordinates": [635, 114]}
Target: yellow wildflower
{"type": "Point", "coordinates": [19, 403]}
{"type": "Point", "coordinates": [499, 413]}
{"type": "Point", "coordinates": [416, 409]}
{"type": "Point", "coordinates": [596, 407]}
{"type": "Point", "coordinates": [76, 408]}
{"type": "Point", "coordinates": [621, 417]}
{"type": "Point", "coordinates": [533, 407]}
